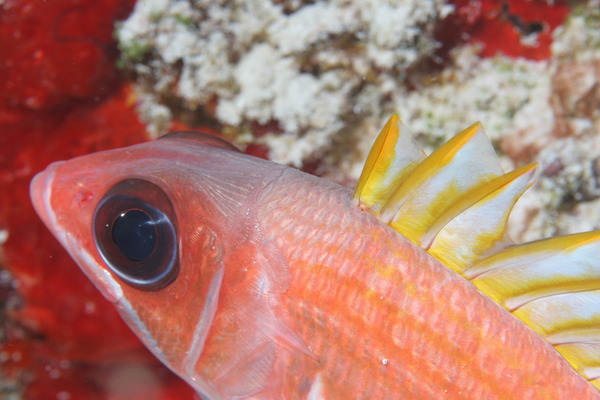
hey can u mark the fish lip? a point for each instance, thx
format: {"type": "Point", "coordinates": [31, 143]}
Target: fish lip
{"type": "Point", "coordinates": [40, 191]}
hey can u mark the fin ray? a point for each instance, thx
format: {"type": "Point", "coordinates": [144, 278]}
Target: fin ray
{"type": "Point", "coordinates": [437, 182]}
{"type": "Point", "coordinates": [522, 273]}
{"type": "Point", "coordinates": [481, 227]}
{"type": "Point", "coordinates": [564, 318]}
{"type": "Point", "coordinates": [393, 155]}
{"type": "Point", "coordinates": [584, 357]}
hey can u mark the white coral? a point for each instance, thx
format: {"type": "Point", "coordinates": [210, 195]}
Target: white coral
{"type": "Point", "coordinates": [255, 59]}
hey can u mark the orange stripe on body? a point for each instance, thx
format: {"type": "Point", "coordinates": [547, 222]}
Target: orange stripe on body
{"type": "Point", "coordinates": [360, 293]}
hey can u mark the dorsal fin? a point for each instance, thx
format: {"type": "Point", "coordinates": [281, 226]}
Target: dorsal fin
{"type": "Point", "coordinates": [455, 204]}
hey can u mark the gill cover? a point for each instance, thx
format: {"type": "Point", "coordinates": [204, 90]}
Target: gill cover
{"type": "Point", "coordinates": [455, 204]}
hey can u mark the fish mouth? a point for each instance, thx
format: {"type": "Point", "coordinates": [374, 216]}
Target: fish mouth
{"type": "Point", "coordinates": [40, 191]}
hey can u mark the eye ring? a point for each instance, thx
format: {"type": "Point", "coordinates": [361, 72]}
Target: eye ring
{"type": "Point", "coordinates": [134, 229]}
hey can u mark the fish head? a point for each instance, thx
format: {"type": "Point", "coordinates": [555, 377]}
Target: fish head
{"type": "Point", "coordinates": [162, 229]}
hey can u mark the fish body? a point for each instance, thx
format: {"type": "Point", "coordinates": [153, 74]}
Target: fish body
{"type": "Point", "coordinates": [275, 284]}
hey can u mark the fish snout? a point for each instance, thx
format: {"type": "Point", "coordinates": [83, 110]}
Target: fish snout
{"type": "Point", "coordinates": [40, 192]}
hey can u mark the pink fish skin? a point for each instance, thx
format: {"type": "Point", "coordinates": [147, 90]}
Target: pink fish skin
{"type": "Point", "coordinates": [285, 289]}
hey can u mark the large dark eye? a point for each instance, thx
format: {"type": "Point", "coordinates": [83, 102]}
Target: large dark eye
{"type": "Point", "coordinates": [134, 230]}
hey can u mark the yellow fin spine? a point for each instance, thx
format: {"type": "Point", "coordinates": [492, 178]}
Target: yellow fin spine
{"type": "Point", "coordinates": [427, 168]}
{"type": "Point", "coordinates": [523, 273]}
{"type": "Point", "coordinates": [437, 183]}
{"type": "Point", "coordinates": [393, 155]}
{"type": "Point", "coordinates": [584, 357]}
{"type": "Point", "coordinates": [479, 194]}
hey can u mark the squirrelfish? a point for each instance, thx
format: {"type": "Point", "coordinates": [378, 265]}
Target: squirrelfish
{"type": "Point", "coordinates": [251, 279]}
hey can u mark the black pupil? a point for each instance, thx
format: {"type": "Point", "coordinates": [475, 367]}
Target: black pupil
{"type": "Point", "coordinates": [134, 233]}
